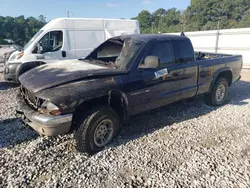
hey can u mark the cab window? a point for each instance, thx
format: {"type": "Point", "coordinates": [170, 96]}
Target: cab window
{"type": "Point", "coordinates": [51, 42]}
{"type": "Point", "coordinates": [163, 50]}
{"type": "Point", "coordinates": [183, 51]}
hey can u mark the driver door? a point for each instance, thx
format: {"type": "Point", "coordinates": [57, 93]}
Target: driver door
{"type": "Point", "coordinates": [51, 47]}
{"type": "Point", "coordinates": [150, 88]}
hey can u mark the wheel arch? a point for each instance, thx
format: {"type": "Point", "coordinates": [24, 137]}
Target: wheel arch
{"type": "Point", "coordinates": [222, 73]}
{"type": "Point", "coordinates": [116, 99]}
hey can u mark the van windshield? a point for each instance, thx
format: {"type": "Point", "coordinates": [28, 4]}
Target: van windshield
{"type": "Point", "coordinates": [32, 39]}
{"type": "Point", "coordinates": [116, 53]}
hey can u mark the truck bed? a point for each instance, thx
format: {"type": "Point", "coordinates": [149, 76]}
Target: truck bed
{"type": "Point", "coordinates": [211, 64]}
{"type": "Point", "coordinates": [199, 56]}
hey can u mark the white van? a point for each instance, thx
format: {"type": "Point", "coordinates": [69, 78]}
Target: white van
{"type": "Point", "coordinates": [65, 38]}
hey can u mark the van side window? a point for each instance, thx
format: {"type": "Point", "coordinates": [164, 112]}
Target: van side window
{"type": "Point", "coordinates": [183, 51]}
{"type": "Point", "coordinates": [164, 51]}
{"type": "Point", "coordinates": [52, 41]}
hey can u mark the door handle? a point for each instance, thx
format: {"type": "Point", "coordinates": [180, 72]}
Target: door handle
{"type": "Point", "coordinates": [63, 54]}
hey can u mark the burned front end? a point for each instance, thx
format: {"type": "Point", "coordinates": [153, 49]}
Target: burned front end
{"type": "Point", "coordinates": [29, 97]}
{"type": "Point", "coordinates": [41, 115]}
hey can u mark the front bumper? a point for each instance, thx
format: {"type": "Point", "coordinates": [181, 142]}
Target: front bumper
{"type": "Point", "coordinates": [43, 124]}
{"type": "Point", "coordinates": [10, 70]}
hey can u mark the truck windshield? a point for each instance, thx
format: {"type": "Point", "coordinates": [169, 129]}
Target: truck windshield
{"type": "Point", "coordinates": [32, 39]}
{"type": "Point", "coordinates": [116, 53]}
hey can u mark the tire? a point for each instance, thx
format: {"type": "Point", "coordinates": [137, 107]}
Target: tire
{"type": "Point", "coordinates": [212, 98]}
{"type": "Point", "coordinates": [92, 124]}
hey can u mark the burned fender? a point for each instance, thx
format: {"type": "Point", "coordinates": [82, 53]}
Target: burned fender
{"type": "Point", "coordinates": [71, 95]}
{"type": "Point", "coordinates": [123, 100]}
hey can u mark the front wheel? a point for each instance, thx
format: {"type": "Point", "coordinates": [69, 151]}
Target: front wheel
{"type": "Point", "coordinates": [96, 129]}
{"type": "Point", "coordinates": [219, 93]}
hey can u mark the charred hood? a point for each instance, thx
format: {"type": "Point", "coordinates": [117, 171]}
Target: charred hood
{"type": "Point", "coordinates": [59, 73]}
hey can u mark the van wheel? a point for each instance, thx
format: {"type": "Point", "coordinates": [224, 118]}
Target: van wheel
{"type": "Point", "coordinates": [96, 129]}
{"type": "Point", "coordinates": [218, 94]}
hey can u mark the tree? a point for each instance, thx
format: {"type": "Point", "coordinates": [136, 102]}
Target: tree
{"type": "Point", "coordinates": [18, 28]}
{"type": "Point", "coordinates": [205, 14]}
{"type": "Point", "coordinates": [145, 19]}
{"type": "Point", "coordinates": [157, 15]}
{"type": "Point", "coordinates": [195, 2]}
{"type": "Point", "coordinates": [171, 21]}
{"type": "Point", "coordinates": [245, 22]}
{"type": "Point", "coordinates": [200, 15]}
{"type": "Point", "coordinates": [42, 19]}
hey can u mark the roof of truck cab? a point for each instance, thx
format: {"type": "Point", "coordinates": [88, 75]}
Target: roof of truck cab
{"type": "Point", "coordinates": [149, 37]}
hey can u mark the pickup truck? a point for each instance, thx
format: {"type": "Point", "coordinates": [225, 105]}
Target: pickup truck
{"type": "Point", "coordinates": [122, 77]}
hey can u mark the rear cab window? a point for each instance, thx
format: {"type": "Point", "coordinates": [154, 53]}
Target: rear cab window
{"type": "Point", "coordinates": [183, 50]}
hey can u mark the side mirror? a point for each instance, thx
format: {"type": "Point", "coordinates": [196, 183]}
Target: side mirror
{"type": "Point", "coordinates": [38, 49]}
{"type": "Point", "coordinates": [150, 62]}
{"type": "Point", "coordinates": [35, 49]}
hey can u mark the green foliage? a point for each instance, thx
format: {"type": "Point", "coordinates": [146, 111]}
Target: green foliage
{"type": "Point", "coordinates": [195, 2]}
{"type": "Point", "coordinates": [145, 19]}
{"type": "Point", "coordinates": [19, 29]}
{"type": "Point", "coordinates": [3, 41]}
{"type": "Point", "coordinates": [200, 15]}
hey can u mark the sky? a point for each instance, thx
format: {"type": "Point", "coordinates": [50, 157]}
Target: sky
{"type": "Point", "coordinates": [85, 8]}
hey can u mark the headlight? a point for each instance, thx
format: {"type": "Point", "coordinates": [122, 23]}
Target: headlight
{"type": "Point", "coordinates": [20, 55]}
{"type": "Point", "coordinates": [16, 56]}
{"type": "Point", "coordinates": [50, 108]}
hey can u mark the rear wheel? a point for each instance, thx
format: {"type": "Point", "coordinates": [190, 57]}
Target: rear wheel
{"type": "Point", "coordinates": [219, 93]}
{"type": "Point", "coordinates": [96, 129]}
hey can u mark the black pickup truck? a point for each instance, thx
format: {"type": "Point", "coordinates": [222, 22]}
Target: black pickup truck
{"type": "Point", "coordinates": [122, 77]}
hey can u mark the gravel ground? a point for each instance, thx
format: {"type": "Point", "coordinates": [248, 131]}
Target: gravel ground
{"type": "Point", "coordinates": [187, 144]}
